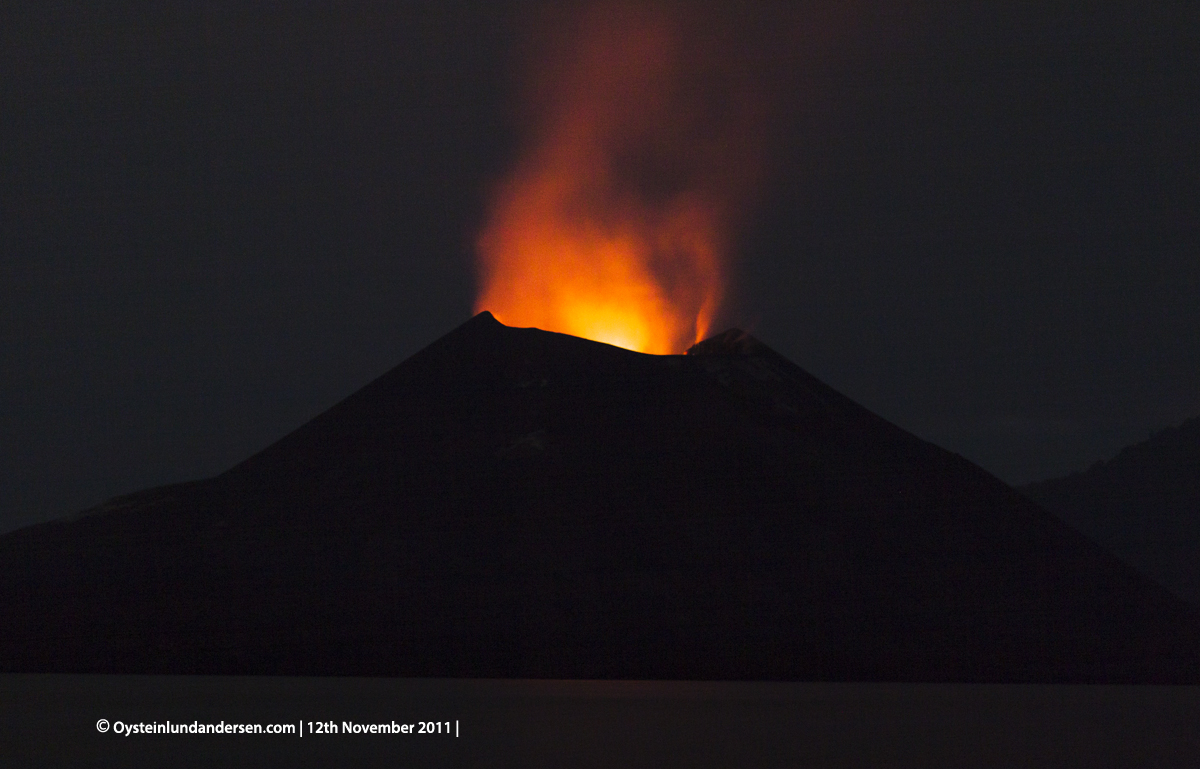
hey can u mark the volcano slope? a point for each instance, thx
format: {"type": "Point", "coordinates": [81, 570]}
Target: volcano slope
{"type": "Point", "coordinates": [1143, 504]}
{"type": "Point", "coordinates": [514, 503]}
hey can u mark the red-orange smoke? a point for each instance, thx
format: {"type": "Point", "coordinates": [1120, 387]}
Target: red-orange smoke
{"type": "Point", "coordinates": [614, 224]}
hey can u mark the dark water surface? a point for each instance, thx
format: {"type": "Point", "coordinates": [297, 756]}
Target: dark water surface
{"type": "Point", "coordinates": [51, 720]}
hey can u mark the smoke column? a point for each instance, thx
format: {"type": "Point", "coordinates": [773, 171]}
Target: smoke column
{"type": "Point", "coordinates": [642, 144]}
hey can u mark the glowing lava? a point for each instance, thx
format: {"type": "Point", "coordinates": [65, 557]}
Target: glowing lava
{"type": "Point", "coordinates": [607, 228]}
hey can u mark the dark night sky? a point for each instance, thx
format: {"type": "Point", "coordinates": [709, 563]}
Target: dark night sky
{"type": "Point", "coordinates": [217, 219]}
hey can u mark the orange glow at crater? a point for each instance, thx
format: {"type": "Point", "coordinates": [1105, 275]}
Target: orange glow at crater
{"type": "Point", "coordinates": [610, 226]}
{"type": "Point", "coordinates": [649, 286]}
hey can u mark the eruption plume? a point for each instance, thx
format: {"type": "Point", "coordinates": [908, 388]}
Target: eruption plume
{"type": "Point", "coordinates": [615, 222]}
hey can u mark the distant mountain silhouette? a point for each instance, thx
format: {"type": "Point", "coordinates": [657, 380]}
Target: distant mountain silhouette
{"type": "Point", "coordinates": [1144, 505]}
{"type": "Point", "coordinates": [517, 503]}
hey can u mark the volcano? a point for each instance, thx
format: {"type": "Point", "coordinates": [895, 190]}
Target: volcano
{"type": "Point", "coordinates": [514, 503]}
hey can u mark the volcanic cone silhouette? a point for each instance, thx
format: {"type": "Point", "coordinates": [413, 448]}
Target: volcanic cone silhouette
{"type": "Point", "coordinates": [517, 503]}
